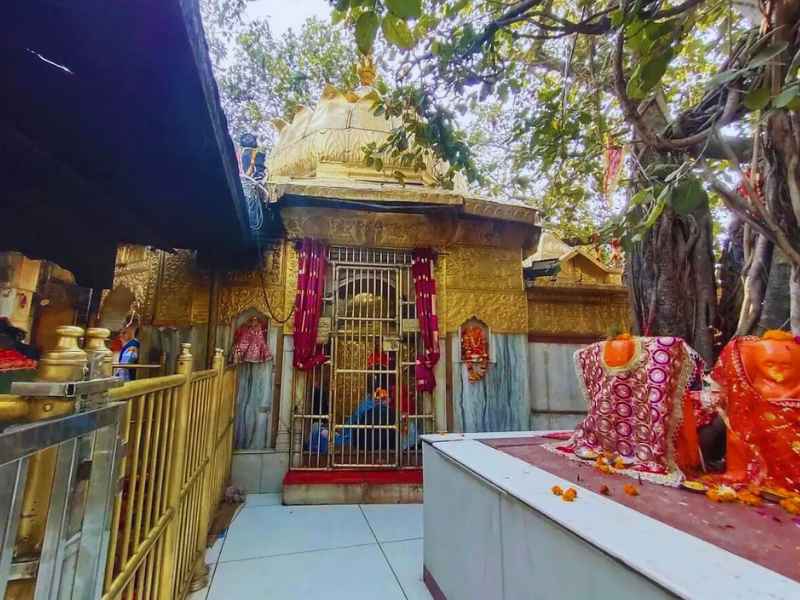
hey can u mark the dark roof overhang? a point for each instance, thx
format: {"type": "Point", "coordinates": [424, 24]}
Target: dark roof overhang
{"type": "Point", "coordinates": [112, 132]}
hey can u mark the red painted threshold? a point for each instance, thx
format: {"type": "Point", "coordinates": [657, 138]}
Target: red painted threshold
{"type": "Point", "coordinates": [355, 477]}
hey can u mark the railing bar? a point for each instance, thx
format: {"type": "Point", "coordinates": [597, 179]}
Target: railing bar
{"type": "Point", "coordinates": [13, 475]}
{"type": "Point", "coordinates": [122, 474]}
{"type": "Point", "coordinates": [133, 449]}
{"type": "Point", "coordinates": [146, 477]}
{"type": "Point", "coordinates": [49, 574]}
{"type": "Point", "coordinates": [132, 389]}
{"type": "Point", "coordinates": [158, 458]}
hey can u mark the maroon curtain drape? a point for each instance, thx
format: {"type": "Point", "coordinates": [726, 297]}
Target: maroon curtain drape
{"type": "Point", "coordinates": [422, 272]}
{"type": "Point", "coordinates": [308, 304]}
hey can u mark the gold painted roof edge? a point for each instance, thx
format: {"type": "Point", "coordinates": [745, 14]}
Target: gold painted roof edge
{"type": "Point", "coordinates": [367, 191]}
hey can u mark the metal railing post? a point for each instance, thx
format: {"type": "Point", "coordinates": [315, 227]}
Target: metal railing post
{"type": "Point", "coordinates": [201, 570]}
{"type": "Point", "coordinates": [176, 476]}
{"type": "Point", "coordinates": [66, 362]}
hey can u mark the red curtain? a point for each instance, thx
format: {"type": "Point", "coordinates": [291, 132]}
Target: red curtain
{"type": "Point", "coordinates": [421, 271]}
{"type": "Point", "coordinates": [308, 304]}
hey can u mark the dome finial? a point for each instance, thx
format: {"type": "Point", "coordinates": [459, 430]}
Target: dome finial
{"type": "Point", "coordinates": [366, 70]}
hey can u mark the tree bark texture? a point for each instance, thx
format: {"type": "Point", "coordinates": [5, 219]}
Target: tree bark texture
{"type": "Point", "coordinates": [731, 267]}
{"type": "Point", "coordinates": [775, 309]}
{"type": "Point", "coordinates": [671, 280]}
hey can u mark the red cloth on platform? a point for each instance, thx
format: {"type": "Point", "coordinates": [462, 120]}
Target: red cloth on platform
{"type": "Point", "coordinates": [638, 411]}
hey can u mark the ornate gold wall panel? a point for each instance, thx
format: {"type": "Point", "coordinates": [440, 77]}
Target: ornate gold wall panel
{"type": "Point", "coordinates": [485, 283]}
{"type": "Point", "coordinates": [566, 312]}
{"type": "Point", "coordinates": [137, 270]}
{"type": "Point", "coordinates": [182, 297]}
{"type": "Point", "coordinates": [244, 289]}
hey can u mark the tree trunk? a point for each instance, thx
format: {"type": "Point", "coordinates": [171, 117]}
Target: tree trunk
{"type": "Point", "coordinates": [671, 280]}
{"type": "Point", "coordinates": [732, 264]}
{"type": "Point", "coordinates": [775, 310]}
{"type": "Point", "coordinates": [756, 277]}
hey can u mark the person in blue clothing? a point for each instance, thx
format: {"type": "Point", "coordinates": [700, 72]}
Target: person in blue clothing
{"type": "Point", "coordinates": [129, 354]}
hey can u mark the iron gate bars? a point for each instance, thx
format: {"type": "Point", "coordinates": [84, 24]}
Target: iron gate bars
{"type": "Point", "coordinates": [370, 335]}
{"type": "Point", "coordinates": [73, 554]}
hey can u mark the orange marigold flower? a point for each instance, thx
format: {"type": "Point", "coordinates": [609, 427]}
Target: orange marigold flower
{"type": "Point", "coordinates": [722, 493]}
{"type": "Point", "coordinates": [631, 489]}
{"type": "Point", "coordinates": [569, 495]}
{"type": "Point", "coordinates": [557, 490]}
{"type": "Point", "coordinates": [791, 505]}
{"type": "Point", "coordinates": [749, 498]}
{"type": "Point", "coordinates": [619, 463]}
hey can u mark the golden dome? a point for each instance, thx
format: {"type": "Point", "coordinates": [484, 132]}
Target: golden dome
{"type": "Point", "coordinates": [327, 142]}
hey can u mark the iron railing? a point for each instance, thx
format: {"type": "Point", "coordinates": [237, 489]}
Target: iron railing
{"type": "Point", "coordinates": [179, 431]}
{"type": "Point", "coordinates": [82, 454]}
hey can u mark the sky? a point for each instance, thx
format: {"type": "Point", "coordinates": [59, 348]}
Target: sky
{"type": "Point", "coordinates": [285, 14]}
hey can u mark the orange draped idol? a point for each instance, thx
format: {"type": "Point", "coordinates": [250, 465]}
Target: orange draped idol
{"type": "Point", "coordinates": [759, 381]}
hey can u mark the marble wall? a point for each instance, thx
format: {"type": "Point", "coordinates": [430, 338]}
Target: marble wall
{"type": "Point", "coordinates": [557, 401]}
{"type": "Point", "coordinates": [254, 399]}
{"type": "Point", "coordinates": [501, 400]}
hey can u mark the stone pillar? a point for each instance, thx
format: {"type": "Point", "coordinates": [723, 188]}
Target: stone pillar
{"type": "Point", "coordinates": [286, 407]}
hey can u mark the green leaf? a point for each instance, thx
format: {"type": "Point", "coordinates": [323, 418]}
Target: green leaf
{"type": "Point", "coordinates": [724, 77]}
{"type": "Point", "coordinates": [757, 99]}
{"type": "Point", "coordinates": [634, 88]}
{"type": "Point", "coordinates": [767, 54]}
{"type": "Point", "coordinates": [656, 30]}
{"type": "Point", "coordinates": [405, 9]}
{"type": "Point", "coordinates": [687, 196]}
{"type": "Point", "coordinates": [366, 28]}
{"type": "Point", "coordinates": [786, 96]}
{"type": "Point", "coordinates": [397, 32]}
{"type": "Point", "coordinates": [641, 196]}
{"type": "Point", "coordinates": [653, 71]}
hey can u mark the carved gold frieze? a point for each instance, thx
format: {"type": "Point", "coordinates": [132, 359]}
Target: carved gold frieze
{"type": "Point", "coordinates": [392, 230]}
{"type": "Point", "coordinates": [554, 313]}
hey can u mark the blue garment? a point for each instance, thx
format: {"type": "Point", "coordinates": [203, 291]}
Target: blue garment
{"type": "Point", "coordinates": [128, 355]}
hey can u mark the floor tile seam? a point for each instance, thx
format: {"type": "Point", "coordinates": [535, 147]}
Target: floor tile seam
{"type": "Point", "coordinates": [216, 563]}
{"type": "Point", "coordinates": [298, 552]}
{"type": "Point", "coordinates": [385, 558]}
{"type": "Point", "coordinates": [411, 539]}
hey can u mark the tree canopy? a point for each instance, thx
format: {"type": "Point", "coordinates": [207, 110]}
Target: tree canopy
{"type": "Point", "coordinates": [263, 77]}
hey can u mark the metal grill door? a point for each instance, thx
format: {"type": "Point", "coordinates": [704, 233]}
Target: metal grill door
{"type": "Point", "coordinates": [366, 345]}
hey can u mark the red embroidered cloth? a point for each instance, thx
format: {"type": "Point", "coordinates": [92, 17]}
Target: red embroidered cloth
{"type": "Point", "coordinates": [250, 343]}
{"type": "Point", "coordinates": [764, 434]}
{"type": "Point", "coordinates": [425, 287]}
{"type": "Point", "coordinates": [308, 304]}
{"type": "Point", "coordinates": [635, 411]}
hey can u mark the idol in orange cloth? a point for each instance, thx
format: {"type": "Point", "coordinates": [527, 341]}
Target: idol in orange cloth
{"type": "Point", "coordinates": [760, 393]}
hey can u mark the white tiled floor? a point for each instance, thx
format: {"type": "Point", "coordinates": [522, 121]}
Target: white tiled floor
{"type": "Point", "coordinates": [300, 552]}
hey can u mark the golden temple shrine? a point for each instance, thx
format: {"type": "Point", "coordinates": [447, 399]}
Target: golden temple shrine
{"type": "Point", "coordinates": [371, 224]}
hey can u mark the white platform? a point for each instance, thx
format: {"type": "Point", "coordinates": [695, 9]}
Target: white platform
{"type": "Point", "coordinates": [494, 530]}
